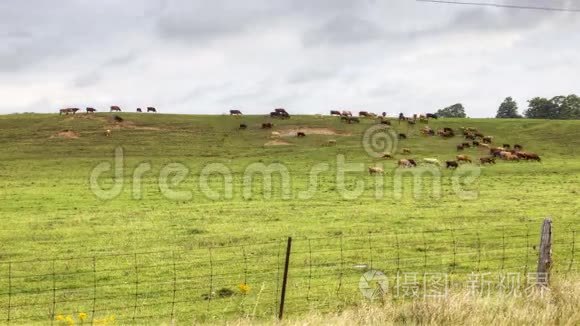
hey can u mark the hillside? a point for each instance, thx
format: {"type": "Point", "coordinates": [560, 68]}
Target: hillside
{"type": "Point", "coordinates": [48, 209]}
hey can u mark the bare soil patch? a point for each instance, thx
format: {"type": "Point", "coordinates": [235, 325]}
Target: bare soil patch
{"type": "Point", "coordinates": [69, 134]}
{"type": "Point", "coordinates": [277, 143]}
{"type": "Point", "coordinates": [291, 132]}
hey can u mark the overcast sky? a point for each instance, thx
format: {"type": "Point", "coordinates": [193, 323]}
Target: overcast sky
{"type": "Point", "coordinates": [206, 57]}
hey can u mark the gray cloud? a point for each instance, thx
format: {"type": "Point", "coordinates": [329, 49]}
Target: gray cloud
{"type": "Point", "coordinates": [205, 57]}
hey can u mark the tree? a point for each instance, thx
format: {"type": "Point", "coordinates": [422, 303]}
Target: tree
{"type": "Point", "coordinates": [454, 111]}
{"type": "Point", "coordinates": [508, 109]}
{"type": "Point", "coordinates": [559, 107]}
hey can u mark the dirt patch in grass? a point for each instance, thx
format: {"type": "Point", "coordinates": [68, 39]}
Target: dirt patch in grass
{"type": "Point", "coordinates": [291, 132]}
{"type": "Point", "coordinates": [277, 143]}
{"type": "Point", "coordinates": [68, 134]}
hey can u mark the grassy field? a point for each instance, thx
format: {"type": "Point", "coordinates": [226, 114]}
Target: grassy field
{"type": "Point", "coordinates": [57, 234]}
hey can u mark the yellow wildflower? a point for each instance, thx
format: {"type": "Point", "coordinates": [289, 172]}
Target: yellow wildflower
{"type": "Point", "coordinates": [69, 320]}
{"type": "Point", "coordinates": [59, 317]}
{"type": "Point", "coordinates": [83, 316]}
{"type": "Point", "coordinates": [244, 288]}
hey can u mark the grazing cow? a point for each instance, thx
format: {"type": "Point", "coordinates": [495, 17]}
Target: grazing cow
{"type": "Point", "coordinates": [518, 147]}
{"type": "Point", "coordinates": [243, 126]}
{"type": "Point", "coordinates": [275, 134]}
{"type": "Point", "coordinates": [300, 134]}
{"type": "Point", "coordinates": [139, 110]}
{"type": "Point", "coordinates": [459, 147]}
{"type": "Point", "coordinates": [346, 113]}
{"type": "Point", "coordinates": [475, 143]}
{"type": "Point", "coordinates": [511, 157]}
{"type": "Point", "coordinates": [451, 164]}
{"type": "Point", "coordinates": [115, 108]}
{"type": "Point", "coordinates": [280, 115]}
{"type": "Point", "coordinates": [235, 112]}
{"type": "Point", "coordinates": [487, 139]}
{"type": "Point", "coordinates": [469, 136]}
{"type": "Point", "coordinates": [488, 160]}
{"type": "Point", "coordinates": [334, 112]}
{"type": "Point", "coordinates": [108, 133]}
{"type": "Point", "coordinates": [68, 110]}
{"type": "Point", "coordinates": [91, 110]}
{"type": "Point", "coordinates": [529, 156]}
{"type": "Point", "coordinates": [351, 119]}
{"type": "Point", "coordinates": [466, 145]}
{"type": "Point", "coordinates": [406, 151]}
{"type": "Point", "coordinates": [280, 110]}
{"type": "Point", "coordinates": [387, 155]}
{"type": "Point", "coordinates": [431, 116]}
{"type": "Point", "coordinates": [406, 163]}
{"type": "Point", "coordinates": [151, 109]}
{"type": "Point", "coordinates": [506, 146]}
{"type": "Point", "coordinates": [332, 142]}
{"type": "Point", "coordinates": [363, 114]}
{"type": "Point", "coordinates": [463, 158]}
{"type": "Point", "coordinates": [375, 170]}
{"type": "Point", "coordinates": [267, 125]}
{"type": "Point", "coordinates": [432, 161]}
{"type": "Point", "coordinates": [402, 136]}
{"type": "Point", "coordinates": [385, 122]}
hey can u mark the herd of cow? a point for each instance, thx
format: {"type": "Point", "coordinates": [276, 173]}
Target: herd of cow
{"type": "Point", "coordinates": [473, 139]}
{"type": "Point", "coordinates": [113, 108]}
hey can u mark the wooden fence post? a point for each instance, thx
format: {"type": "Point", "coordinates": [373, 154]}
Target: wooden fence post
{"type": "Point", "coordinates": [545, 254]}
{"type": "Point", "coordinates": [285, 279]}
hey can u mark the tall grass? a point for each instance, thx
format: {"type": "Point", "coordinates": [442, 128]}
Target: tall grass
{"type": "Point", "coordinates": [558, 306]}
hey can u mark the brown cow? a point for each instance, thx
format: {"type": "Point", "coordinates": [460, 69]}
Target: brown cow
{"type": "Point", "coordinates": [334, 112]}
{"type": "Point", "coordinates": [463, 158]}
{"type": "Point", "coordinates": [115, 108]}
{"type": "Point", "coordinates": [375, 170]}
{"type": "Point", "coordinates": [243, 126]}
{"type": "Point", "coordinates": [91, 110]}
{"type": "Point", "coordinates": [267, 125]}
{"type": "Point", "coordinates": [402, 136]}
{"type": "Point", "coordinates": [487, 139]}
{"type": "Point", "coordinates": [68, 110]}
{"type": "Point", "coordinates": [406, 163]}
{"type": "Point", "coordinates": [459, 147]}
{"type": "Point", "coordinates": [406, 151]}
{"type": "Point", "coordinates": [488, 160]}
{"type": "Point", "coordinates": [300, 134]}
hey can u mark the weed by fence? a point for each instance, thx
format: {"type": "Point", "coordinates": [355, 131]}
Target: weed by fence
{"type": "Point", "coordinates": [256, 280]}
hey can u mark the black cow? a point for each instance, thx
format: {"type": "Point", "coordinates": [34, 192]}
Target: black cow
{"type": "Point", "coordinates": [431, 115]}
{"type": "Point", "coordinates": [334, 112]}
{"type": "Point", "coordinates": [91, 110]}
{"type": "Point", "coordinates": [139, 110]}
{"type": "Point", "coordinates": [402, 136]}
{"type": "Point", "coordinates": [451, 164]}
{"type": "Point", "coordinates": [151, 109]}
{"type": "Point", "coordinates": [300, 134]}
{"type": "Point", "coordinates": [235, 112]}
{"type": "Point", "coordinates": [243, 126]}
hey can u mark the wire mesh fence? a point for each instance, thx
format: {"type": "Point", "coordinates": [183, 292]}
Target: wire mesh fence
{"type": "Point", "coordinates": [245, 281]}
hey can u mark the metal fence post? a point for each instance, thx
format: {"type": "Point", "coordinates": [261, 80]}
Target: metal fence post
{"type": "Point", "coordinates": [285, 278]}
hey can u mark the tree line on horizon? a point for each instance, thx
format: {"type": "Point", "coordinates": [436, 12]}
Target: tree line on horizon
{"type": "Point", "coordinates": [558, 108]}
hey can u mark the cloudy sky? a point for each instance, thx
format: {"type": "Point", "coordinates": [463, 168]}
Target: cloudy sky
{"type": "Point", "coordinates": [206, 57]}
